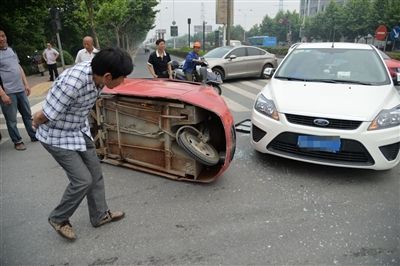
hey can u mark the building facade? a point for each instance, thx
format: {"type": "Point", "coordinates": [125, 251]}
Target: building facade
{"type": "Point", "coordinates": [312, 7]}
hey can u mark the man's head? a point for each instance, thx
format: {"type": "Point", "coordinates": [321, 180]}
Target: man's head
{"type": "Point", "coordinates": [3, 39]}
{"type": "Point", "coordinates": [48, 45]}
{"type": "Point", "coordinates": [196, 46]}
{"type": "Point", "coordinates": [88, 43]}
{"type": "Point", "coordinates": [110, 66]}
{"type": "Point", "coordinates": [160, 44]}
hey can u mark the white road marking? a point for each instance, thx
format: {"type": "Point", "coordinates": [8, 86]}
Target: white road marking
{"type": "Point", "coordinates": [252, 85]}
{"type": "Point", "coordinates": [239, 90]}
{"type": "Point", "coordinates": [234, 106]}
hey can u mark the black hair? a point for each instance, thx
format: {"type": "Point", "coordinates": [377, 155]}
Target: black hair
{"type": "Point", "coordinates": [159, 41]}
{"type": "Point", "coordinates": [115, 61]}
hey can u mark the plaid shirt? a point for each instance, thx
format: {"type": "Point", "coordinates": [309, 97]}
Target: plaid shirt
{"type": "Point", "coordinates": [67, 107]}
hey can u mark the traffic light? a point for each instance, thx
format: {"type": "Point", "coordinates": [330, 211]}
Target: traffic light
{"type": "Point", "coordinates": [55, 19]}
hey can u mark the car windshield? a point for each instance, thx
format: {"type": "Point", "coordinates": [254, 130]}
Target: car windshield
{"type": "Point", "coordinates": [334, 65]}
{"type": "Point", "coordinates": [217, 52]}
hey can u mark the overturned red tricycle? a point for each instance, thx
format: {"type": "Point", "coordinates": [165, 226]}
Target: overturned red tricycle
{"type": "Point", "coordinates": [179, 130]}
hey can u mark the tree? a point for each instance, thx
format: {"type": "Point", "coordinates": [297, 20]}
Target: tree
{"type": "Point", "coordinates": [358, 15]}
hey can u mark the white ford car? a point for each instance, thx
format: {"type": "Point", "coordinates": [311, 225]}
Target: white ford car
{"type": "Point", "coordinates": [332, 104]}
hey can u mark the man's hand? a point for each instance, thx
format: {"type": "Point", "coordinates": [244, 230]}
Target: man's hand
{"type": "Point", "coordinates": [27, 90]}
{"type": "Point", "coordinates": [38, 118]}
{"type": "Point", "coordinates": [5, 99]}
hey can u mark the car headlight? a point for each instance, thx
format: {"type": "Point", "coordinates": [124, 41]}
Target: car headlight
{"type": "Point", "coordinates": [386, 119]}
{"type": "Point", "coordinates": [266, 107]}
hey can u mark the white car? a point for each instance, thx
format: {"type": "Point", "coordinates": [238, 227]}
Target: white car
{"type": "Point", "coordinates": [331, 104]}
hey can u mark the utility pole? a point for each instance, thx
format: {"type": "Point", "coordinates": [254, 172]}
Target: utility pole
{"type": "Point", "coordinates": [228, 22]}
{"type": "Point", "coordinates": [204, 36]}
{"type": "Point", "coordinates": [56, 24]}
{"type": "Point", "coordinates": [189, 21]}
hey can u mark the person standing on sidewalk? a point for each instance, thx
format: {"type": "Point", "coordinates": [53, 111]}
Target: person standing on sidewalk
{"type": "Point", "coordinates": [50, 55]}
{"type": "Point", "coordinates": [14, 92]}
{"type": "Point", "coordinates": [159, 63]}
{"type": "Point", "coordinates": [88, 52]}
{"type": "Point", "coordinates": [63, 130]}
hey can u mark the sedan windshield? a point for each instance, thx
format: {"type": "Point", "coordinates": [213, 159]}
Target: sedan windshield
{"type": "Point", "coordinates": [217, 52]}
{"type": "Point", "coordinates": [334, 65]}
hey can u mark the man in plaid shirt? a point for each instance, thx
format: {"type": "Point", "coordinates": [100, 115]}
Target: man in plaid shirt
{"type": "Point", "coordinates": [63, 130]}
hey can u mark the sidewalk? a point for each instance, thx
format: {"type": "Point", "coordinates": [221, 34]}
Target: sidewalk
{"type": "Point", "coordinates": [40, 84]}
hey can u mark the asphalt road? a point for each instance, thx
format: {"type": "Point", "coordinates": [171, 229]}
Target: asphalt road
{"type": "Point", "coordinates": [263, 210]}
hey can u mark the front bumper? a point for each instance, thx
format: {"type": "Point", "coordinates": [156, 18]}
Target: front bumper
{"type": "Point", "coordinates": [360, 148]}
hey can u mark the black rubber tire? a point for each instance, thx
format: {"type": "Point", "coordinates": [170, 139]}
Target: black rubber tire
{"type": "Point", "coordinates": [219, 72]}
{"type": "Point", "coordinates": [206, 155]}
{"type": "Point", "coordinates": [262, 71]}
{"type": "Point", "coordinates": [217, 89]}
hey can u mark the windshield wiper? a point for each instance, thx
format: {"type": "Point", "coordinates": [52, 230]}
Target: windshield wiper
{"type": "Point", "coordinates": [351, 81]}
{"type": "Point", "coordinates": [290, 78]}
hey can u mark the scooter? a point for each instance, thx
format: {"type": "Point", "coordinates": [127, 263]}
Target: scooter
{"type": "Point", "coordinates": [203, 74]}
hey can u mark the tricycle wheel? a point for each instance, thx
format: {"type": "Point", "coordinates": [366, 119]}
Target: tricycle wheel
{"type": "Point", "coordinates": [201, 152]}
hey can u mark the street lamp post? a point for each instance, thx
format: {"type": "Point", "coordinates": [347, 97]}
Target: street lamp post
{"type": "Point", "coordinates": [244, 12]}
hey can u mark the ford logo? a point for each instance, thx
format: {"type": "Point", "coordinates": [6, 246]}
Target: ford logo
{"type": "Point", "coordinates": [321, 122]}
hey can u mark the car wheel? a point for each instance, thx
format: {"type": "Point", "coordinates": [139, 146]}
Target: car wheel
{"type": "Point", "coordinates": [263, 76]}
{"type": "Point", "coordinates": [217, 89]}
{"type": "Point", "coordinates": [201, 152]}
{"type": "Point", "coordinates": [219, 72]}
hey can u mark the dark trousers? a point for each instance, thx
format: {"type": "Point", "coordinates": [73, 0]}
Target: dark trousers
{"type": "Point", "coordinates": [53, 70]}
{"type": "Point", "coordinates": [83, 170]}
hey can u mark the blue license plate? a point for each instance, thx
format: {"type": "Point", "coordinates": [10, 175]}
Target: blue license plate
{"type": "Point", "coordinates": [328, 144]}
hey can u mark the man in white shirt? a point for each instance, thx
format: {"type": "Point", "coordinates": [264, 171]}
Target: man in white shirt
{"type": "Point", "coordinates": [87, 53]}
{"type": "Point", "coordinates": [50, 55]}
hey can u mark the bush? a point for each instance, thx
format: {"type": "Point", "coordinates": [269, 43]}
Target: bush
{"type": "Point", "coordinates": [394, 55]}
{"type": "Point", "coordinates": [279, 50]}
{"type": "Point", "coordinates": [68, 58]}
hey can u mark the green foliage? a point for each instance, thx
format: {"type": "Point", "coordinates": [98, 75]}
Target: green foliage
{"type": "Point", "coordinates": [394, 55]}
{"type": "Point", "coordinates": [182, 52]}
{"type": "Point", "coordinates": [68, 58]}
{"type": "Point", "coordinates": [278, 51]}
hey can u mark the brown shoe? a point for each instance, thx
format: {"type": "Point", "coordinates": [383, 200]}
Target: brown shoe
{"type": "Point", "coordinates": [64, 229]}
{"type": "Point", "coordinates": [20, 146]}
{"type": "Point", "coordinates": [111, 217]}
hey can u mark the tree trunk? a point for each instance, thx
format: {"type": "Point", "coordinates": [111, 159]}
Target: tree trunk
{"type": "Point", "coordinates": [89, 6]}
{"type": "Point", "coordinates": [117, 36]}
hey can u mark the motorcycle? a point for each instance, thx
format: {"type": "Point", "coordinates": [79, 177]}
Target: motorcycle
{"type": "Point", "coordinates": [202, 74]}
{"type": "Point", "coordinates": [37, 64]}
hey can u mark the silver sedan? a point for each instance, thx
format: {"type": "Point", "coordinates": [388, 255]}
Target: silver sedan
{"type": "Point", "coordinates": [240, 61]}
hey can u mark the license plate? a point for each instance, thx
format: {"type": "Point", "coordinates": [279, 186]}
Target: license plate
{"type": "Point", "coordinates": [328, 144]}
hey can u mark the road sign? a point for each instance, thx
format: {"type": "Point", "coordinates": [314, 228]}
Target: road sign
{"type": "Point", "coordinates": [395, 33]}
{"type": "Point", "coordinates": [174, 31]}
{"type": "Point", "coordinates": [380, 33]}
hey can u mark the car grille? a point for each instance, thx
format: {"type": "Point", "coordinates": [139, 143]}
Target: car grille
{"type": "Point", "coordinates": [351, 152]}
{"type": "Point", "coordinates": [333, 123]}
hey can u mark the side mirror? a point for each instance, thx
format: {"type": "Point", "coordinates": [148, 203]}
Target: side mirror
{"type": "Point", "coordinates": [231, 57]}
{"type": "Point", "coordinates": [174, 65]}
{"type": "Point", "coordinates": [396, 80]}
{"type": "Point", "coordinates": [269, 72]}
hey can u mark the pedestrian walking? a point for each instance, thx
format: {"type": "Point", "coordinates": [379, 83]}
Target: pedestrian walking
{"type": "Point", "coordinates": [14, 92]}
{"type": "Point", "coordinates": [63, 130]}
{"type": "Point", "coordinates": [50, 55]}
{"type": "Point", "coordinates": [88, 52]}
{"type": "Point", "coordinates": [159, 63]}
